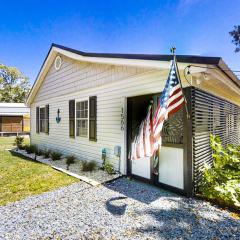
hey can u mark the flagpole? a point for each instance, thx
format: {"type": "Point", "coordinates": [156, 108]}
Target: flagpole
{"type": "Point", "coordinates": [173, 49]}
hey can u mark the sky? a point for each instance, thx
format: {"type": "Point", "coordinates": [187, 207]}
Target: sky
{"type": "Point", "coordinates": [194, 27]}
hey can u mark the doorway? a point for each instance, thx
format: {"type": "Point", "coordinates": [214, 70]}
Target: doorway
{"type": "Point", "coordinates": [171, 155]}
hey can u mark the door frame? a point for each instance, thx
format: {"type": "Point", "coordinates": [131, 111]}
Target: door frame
{"type": "Point", "coordinates": [187, 149]}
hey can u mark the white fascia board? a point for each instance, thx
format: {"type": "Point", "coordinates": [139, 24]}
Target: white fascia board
{"type": "Point", "coordinates": [120, 61]}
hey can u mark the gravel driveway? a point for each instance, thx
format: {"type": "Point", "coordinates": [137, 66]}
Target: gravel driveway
{"type": "Point", "coordinates": [122, 209]}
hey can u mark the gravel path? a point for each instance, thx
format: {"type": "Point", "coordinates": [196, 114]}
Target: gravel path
{"type": "Point", "coordinates": [122, 209]}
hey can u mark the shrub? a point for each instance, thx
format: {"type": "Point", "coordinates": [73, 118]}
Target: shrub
{"type": "Point", "coordinates": [30, 149]}
{"type": "Point", "coordinates": [46, 153]}
{"type": "Point", "coordinates": [55, 155]}
{"type": "Point", "coordinates": [221, 182]}
{"type": "Point", "coordinates": [39, 152]}
{"type": "Point", "coordinates": [88, 166]}
{"type": "Point", "coordinates": [108, 167]}
{"type": "Point", "coordinates": [70, 160]}
{"type": "Point", "coordinates": [19, 141]}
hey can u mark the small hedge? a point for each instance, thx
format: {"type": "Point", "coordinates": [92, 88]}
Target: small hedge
{"type": "Point", "coordinates": [88, 166]}
{"type": "Point", "coordinates": [39, 152]}
{"type": "Point", "coordinates": [108, 167]}
{"type": "Point", "coordinates": [70, 160]}
{"type": "Point", "coordinates": [30, 149]}
{"type": "Point", "coordinates": [19, 141]}
{"type": "Point", "coordinates": [46, 153]}
{"type": "Point", "coordinates": [55, 155]}
{"type": "Point", "coordinates": [221, 182]}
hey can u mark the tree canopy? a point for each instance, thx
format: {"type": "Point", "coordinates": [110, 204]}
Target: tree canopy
{"type": "Point", "coordinates": [235, 33]}
{"type": "Point", "coordinates": [14, 86]}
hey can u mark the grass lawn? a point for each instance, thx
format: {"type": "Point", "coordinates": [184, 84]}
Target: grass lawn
{"type": "Point", "coordinates": [20, 177]}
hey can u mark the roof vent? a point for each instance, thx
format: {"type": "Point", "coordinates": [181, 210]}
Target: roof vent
{"type": "Point", "coordinates": [58, 63]}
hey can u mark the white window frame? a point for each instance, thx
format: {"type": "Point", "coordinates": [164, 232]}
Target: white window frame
{"type": "Point", "coordinates": [77, 101]}
{"type": "Point", "coordinates": [43, 106]}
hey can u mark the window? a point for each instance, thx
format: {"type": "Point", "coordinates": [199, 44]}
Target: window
{"type": "Point", "coordinates": [42, 119]}
{"type": "Point", "coordinates": [82, 118]}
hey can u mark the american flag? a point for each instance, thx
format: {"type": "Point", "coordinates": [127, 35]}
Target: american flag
{"type": "Point", "coordinates": [171, 101]}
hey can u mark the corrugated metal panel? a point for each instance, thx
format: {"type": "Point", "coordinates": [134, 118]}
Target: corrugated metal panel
{"type": "Point", "coordinates": [211, 115]}
{"type": "Point", "coordinates": [14, 109]}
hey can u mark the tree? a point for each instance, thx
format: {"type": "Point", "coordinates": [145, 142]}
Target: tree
{"type": "Point", "coordinates": [236, 37]}
{"type": "Point", "coordinates": [14, 86]}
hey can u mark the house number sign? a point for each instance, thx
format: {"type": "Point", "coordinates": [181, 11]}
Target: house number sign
{"type": "Point", "coordinates": [122, 120]}
{"type": "Point", "coordinates": [58, 118]}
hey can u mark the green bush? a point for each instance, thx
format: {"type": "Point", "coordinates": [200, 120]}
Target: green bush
{"type": "Point", "coordinates": [30, 149]}
{"type": "Point", "coordinates": [46, 153]}
{"type": "Point", "coordinates": [221, 182]}
{"type": "Point", "coordinates": [19, 142]}
{"type": "Point", "coordinates": [55, 155]}
{"type": "Point", "coordinates": [88, 166]}
{"type": "Point", "coordinates": [70, 160]}
{"type": "Point", "coordinates": [39, 152]}
{"type": "Point", "coordinates": [108, 167]}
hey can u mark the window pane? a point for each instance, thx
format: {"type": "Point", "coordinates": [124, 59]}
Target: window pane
{"type": "Point", "coordinates": [78, 106]}
{"type": "Point", "coordinates": [82, 128]}
{"type": "Point", "coordinates": [82, 119]}
{"type": "Point", "coordinates": [42, 119]}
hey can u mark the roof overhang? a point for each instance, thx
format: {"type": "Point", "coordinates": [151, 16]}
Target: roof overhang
{"type": "Point", "coordinates": [136, 60]}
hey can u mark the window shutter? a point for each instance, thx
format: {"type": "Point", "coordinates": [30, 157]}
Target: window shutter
{"type": "Point", "coordinates": [93, 118]}
{"type": "Point", "coordinates": [72, 118]}
{"type": "Point", "coordinates": [37, 119]}
{"type": "Point", "coordinates": [47, 118]}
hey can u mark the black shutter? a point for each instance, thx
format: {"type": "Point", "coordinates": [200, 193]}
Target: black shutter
{"type": "Point", "coordinates": [47, 118]}
{"type": "Point", "coordinates": [72, 118]}
{"type": "Point", "coordinates": [93, 118]}
{"type": "Point", "coordinates": [37, 119]}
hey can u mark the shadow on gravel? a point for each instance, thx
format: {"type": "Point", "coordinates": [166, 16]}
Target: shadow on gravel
{"type": "Point", "coordinates": [116, 206]}
{"type": "Point", "coordinates": [138, 191]}
{"type": "Point", "coordinates": [186, 224]}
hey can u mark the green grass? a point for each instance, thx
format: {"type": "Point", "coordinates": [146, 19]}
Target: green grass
{"type": "Point", "coordinates": [20, 177]}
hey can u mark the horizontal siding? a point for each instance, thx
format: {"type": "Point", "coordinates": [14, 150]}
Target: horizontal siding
{"type": "Point", "coordinates": [72, 77]}
{"type": "Point", "coordinates": [110, 101]}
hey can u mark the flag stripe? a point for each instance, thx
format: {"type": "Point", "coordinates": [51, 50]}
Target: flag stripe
{"type": "Point", "coordinates": [176, 109]}
{"type": "Point", "coordinates": [175, 100]}
{"type": "Point", "coordinates": [175, 105]}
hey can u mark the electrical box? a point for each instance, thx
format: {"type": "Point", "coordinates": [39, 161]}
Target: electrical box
{"type": "Point", "coordinates": [104, 153]}
{"type": "Point", "coordinates": [117, 151]}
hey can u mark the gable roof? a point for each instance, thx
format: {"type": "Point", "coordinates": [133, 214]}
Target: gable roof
{"type": "Point", "coordinates": [145, 60]}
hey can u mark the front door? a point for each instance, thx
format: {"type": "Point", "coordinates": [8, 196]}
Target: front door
{"type": "Point", "coordinates": [170, 167]}
{"type": "Point", "coordinates": [137, 111]}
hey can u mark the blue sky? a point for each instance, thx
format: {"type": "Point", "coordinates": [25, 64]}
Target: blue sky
{"type": "Point", "coordinates": [197, 27]}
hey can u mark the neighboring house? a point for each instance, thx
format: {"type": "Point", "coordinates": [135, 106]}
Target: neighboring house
{"type": "Point", "coordinates": [89, 103]}
{"type": "Point", "coordinates": [14, 119]}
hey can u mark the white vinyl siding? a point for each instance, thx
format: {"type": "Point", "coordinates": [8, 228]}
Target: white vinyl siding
{"type": "Point", "coordinates": [111, 99]}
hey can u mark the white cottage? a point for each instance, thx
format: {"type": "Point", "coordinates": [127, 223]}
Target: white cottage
{"type": "Point", "coordinates": [82, 103]}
